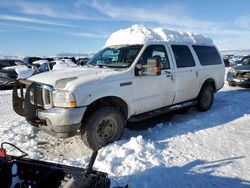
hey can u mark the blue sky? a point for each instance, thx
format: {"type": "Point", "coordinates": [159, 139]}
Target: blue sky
{"type": "Point", "coordinates": [78, 26]}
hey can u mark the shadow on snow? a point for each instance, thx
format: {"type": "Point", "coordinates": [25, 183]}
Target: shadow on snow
{"type": "Point", "coordinates": [197, 173]}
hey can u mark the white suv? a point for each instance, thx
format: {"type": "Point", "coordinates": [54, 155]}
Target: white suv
{"type": "Point", "coordinates": [125, 81]}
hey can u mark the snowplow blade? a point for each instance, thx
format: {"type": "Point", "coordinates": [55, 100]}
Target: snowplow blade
{"type": "Point", "coordinates": [39, 174]}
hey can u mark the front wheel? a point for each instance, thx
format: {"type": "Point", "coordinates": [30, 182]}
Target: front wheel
{"type": "Point", "coordinates": [205, 98]}
{"type": "Point", "coordinates": [231, 84]}
{"type": "Point", "coordinates": [103, 126]}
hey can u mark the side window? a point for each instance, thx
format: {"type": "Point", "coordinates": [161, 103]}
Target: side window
{"type": "Point", "coordinates": [183, 56]}
{"type": "Point", "coordinates": [157, 51]}
{"type": "Point", "coordinates": [207, 55]}
{"type": "Point", "coordinates": [44, 67]}
{"type": "Point", "coordinates": [18, 63]}
{"type": "Point", "coordinates": [12, 63]}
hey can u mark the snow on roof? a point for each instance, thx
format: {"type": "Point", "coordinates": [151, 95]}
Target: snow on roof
{"type": "Point", "coordinates": [40, 62]}
{"type": "Point", "coordinates": [63, 64]}
{"type": "Point", "coordinates": [139, 34]}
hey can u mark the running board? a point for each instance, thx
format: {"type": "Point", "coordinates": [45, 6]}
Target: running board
{"type": "Point", "coordinates": [160, 111]}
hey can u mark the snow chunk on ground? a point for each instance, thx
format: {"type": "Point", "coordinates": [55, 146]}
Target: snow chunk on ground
{"type": "Point", "coordinates": [139, 34]}
{"type": "Point", "coordinates": [130, 157]}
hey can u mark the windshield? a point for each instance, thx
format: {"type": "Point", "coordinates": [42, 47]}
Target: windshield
{"type": "Point", "coordinates": [116, 56]}
{"type": "Point", "coordinates": [245, 61]}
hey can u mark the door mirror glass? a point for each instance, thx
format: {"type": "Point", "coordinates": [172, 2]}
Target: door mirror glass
{"type": "Point", "coordinates": [151, 68]}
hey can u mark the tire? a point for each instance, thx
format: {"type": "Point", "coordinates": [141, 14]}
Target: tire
{"type": "Point", "coordinates": [205, 98]}
{"type": "Point", "coordinates": [102, 127]}
{"type": "Point", "coordinates": [231, 84]}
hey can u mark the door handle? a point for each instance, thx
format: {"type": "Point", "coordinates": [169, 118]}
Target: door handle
{"type": "Point", "coordinates": [167, 72]}
{"type": "Point", "coordinates": [172, 77]}
{"type": "Point", "coordinates": [197, 73]}
{"type": "Point", "coordinates": [169, 75]}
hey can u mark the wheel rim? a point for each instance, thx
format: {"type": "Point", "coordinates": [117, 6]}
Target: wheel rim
{"type": "Point", "coordinates": [207, 97]}
{"type": "Point", "coordinates": [106, 129]}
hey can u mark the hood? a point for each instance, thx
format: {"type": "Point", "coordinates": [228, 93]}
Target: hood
{"type": "Point", "coordinates": [59, 78]}
{"type": "Point", "coordinates": [242, 68]}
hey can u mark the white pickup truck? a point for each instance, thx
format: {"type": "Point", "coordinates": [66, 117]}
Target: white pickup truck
{"type": "Point", "coordinates": [139, 73]}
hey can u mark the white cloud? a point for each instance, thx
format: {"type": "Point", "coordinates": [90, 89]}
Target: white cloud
{"type": "Point", "coordinates": [15, 27]}
{"type": "Point", "coordinates": [51, 9]}
{"type": "Point", "coordinates": [36, 9]}
{"type": "Point", "coordinates": [87, 35]}
{"type": "Point", "coordinates": [168, 15]}
{"type": "Point", "coordinates": [6, 27]}
{"type": "Point", "coordinates": [243, 21]}
{"type": "Point", "coordinates": [176, 16]}
{"type": "Point", "coordinates": [172, 14]}
{"type": "Point", "coordinates": [32, 20]}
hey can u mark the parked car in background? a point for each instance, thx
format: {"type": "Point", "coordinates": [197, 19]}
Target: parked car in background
{"type": "Point", "coordinates": [29, 60]}
{"type": "Point", "coordinates": [226, 60]}
{"type": "Point", "coordinates": [235, 59]}
{"type": "Point", "coordinates": [63, 64]}
{"type": "Point", "coordinates": [42, 66]}
{"type": "Point", "coordinates": [73, 59]}
{"type": "Point", "coordinates": [82, 61]}
{"type": "Point", "coordinates": [10, 70]}
{"type": "Point", "coordinates": [50, 59]}
{"type": "Point", "coordinates": [240, 73]}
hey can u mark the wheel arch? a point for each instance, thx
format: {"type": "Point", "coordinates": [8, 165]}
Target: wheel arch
{"type": "Point", "coordinates": [209, 81]}
{"type": "Point", "coordinates": [113, 101]}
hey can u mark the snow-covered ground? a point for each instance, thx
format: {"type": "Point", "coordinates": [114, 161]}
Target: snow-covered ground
{"type": "Point", "coordinates": [194, 149]}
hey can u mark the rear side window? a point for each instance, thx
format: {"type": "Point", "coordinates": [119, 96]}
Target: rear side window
{"type": "Point", "coordinates": [183, 56]}
{"type": "Point", "coordinates": [207, 55]}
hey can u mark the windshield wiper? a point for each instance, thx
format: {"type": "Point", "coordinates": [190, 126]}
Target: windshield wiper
{"type": "Point", "coordinates": [99, 65]}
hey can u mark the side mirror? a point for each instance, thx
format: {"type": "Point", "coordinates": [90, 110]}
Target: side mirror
{"type": "Point", "coordinates": [152, 68]}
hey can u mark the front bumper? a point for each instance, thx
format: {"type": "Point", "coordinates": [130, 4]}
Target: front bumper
{"type": "Point", "coordinates": [6, 82]}
{"type": "Point", "coordinates": [238, 81]}
{"type": "Point", "coordinates": [33, 101]}
{"type": "Point", "coordinates": [61, 122]}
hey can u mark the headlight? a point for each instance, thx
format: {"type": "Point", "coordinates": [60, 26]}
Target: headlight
{"type": "Point", "coordinates": [232, 71]}
{"type": "Point", "coordinates": [63, 98]}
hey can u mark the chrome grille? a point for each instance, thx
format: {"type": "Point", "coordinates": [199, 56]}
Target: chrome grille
{"type": "Point", "coordinates": [40, 95]}
{"type": "Point", "coordinates": [243, 75]}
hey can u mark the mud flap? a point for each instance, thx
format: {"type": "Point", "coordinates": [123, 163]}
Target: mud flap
{"type": "Point", "coordinates": [18, 101]}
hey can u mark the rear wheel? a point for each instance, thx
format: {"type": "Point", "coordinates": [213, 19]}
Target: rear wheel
{"type": "Point", "coordinates": [103, 126]}
{"type": "Point", "coordinates": [205, 98]}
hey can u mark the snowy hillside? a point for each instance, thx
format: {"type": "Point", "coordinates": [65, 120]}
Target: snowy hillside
{"type": "Point", "coordinates": [194, 149]}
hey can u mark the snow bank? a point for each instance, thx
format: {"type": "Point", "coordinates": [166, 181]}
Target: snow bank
{"type": "Point", "coordinates": [139, 34]}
